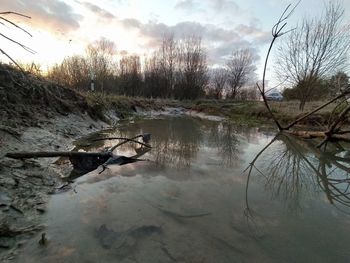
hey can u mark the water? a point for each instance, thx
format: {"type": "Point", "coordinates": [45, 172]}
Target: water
{"type": "Point", "coordinates": [192, 202]}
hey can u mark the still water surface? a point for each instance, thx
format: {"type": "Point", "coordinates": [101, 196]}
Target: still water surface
{"type": "Point", "coordinates": [191, 202]}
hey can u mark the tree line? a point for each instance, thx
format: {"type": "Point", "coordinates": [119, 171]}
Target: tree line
{"type": "Point", "coordinates": [177, 69]}
{"type": "Point", "coordinates": [311, 64]}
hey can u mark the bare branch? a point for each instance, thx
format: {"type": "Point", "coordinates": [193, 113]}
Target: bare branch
{"type": "Point", "coordinates": [15, 25]}
{"type": "Point", "coordinates": [316, 110]}
{"type": "Point", "coordinates": [21, 45]}
{"type": "Point", "coordinates": [14, 13]}
{"type": "Point", "coordinates": [12, 40]}
{"type": "Point", "coordinates": [10, 58]}
{"type": "Point", "coordinates": [317, 48]}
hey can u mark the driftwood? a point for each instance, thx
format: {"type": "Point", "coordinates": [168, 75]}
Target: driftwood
{"type": "Point", "coordinates": [27, 155]}
{"type": "Point", "coordinates": [84, 162]}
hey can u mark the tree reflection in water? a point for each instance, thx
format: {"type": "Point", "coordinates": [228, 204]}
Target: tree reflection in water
{"type": "Point", "coordinates": [293, 169]}
{"type": "Point", "coordinates": [224, 137]}
{"type": "Point", "coordinates": [176, 142]}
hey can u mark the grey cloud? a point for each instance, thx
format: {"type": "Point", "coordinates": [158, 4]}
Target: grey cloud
{"type": "Point", "coordinates": [185, 4]}
{"type": "Point", "coordinates": [131, 22]}
{"type": "Point", "coordinates": [218, 41]}
{"type": "Point", "coordinates": [48, 14]}
{"type": "Point", "coordinates": [219, 53]}
{"type": "Point", "coordinates": [191, 7]}
{"type": "Point", "coordinates": [98, 10]}
{"type": "Point", "coordinates": [225, 6]}
{"type": "Point", "coordinates": [215, 33]}
{"type": "Point", "coordinates": [187, 28]}
{"type": "Point", "coordinates": [259, 36]}
{"type": "Point", "coordinates": [217, 6]}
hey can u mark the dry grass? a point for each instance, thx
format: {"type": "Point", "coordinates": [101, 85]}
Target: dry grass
{"type": "Point", "coordinates": [241, 112]}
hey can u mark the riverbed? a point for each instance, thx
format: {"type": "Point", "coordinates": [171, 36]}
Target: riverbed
{"type": "Point", "coordinates": [192, 199]}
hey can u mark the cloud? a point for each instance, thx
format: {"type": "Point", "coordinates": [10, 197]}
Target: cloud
{"type": "Point", "coordinates": [259, 36]}
{"type": "Point", "coordinates": [219, 42]}
{"type": "Point", "coordinates": [47, 14]}
{"type": "Point", "coordinates": [215, 6]}
{"type": "Point", "coordinates": [185, 4]}
{"type": "Point", "coordinates": [98, 10]}
{"type": "Point", "coordinates": [225, 6]}
{"type": "Point", "coordinates": [131, 23]}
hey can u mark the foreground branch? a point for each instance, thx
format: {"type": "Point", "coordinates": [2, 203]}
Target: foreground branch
{"type": "Point", "coordinates": [317, 109]}
{"type": "Point", "coordinates": [276, 33]}
{"type": "Point", "coordinates": [5, 20]}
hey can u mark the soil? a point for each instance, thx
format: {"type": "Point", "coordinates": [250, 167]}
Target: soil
{"type": "Point", "coordinates": [35, 115]}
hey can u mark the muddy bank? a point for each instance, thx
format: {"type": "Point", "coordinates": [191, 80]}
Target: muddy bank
{"type": "Point", "coordinates": [25, 186]}
{"type": "Point", "coordinates": [35, 115]}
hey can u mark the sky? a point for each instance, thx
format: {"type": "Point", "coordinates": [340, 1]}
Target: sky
{"type": "Point", "coordinates": [62, 28]}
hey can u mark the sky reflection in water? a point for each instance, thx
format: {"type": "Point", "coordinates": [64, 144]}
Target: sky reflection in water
{"type": "Point", "coordinates": [191, 201]}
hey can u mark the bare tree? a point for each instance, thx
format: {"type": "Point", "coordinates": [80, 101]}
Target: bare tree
{"type": "Point", "coordinates": [168, 56]}
{"type": "Point", "coordinates": [130, 74]}
{"type": "Point", "coordinates": [73, 72]}
{"type": "Point", "coordinates": [192, 69]}
{"type": "Point", "coordinates": [317, 48]}
{"type": "Point", "coordinates": [100, 58]}
{"type": "Point", "coordinates": [218, 83]}
{"type": "Point", "coordinates": [240, 68]}
{"type": "Point", "coordinates": [159, 69]}
{"type": "Point", "coordinates": [154, 79]}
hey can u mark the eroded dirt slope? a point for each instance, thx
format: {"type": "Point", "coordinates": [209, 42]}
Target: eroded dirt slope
{"type": "Point", "coordinates": [35, 115]}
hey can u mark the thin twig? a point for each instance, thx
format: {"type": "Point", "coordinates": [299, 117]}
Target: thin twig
{"type": "Point", "coordinates": [14, 13]}
{"type": "Point", "coordinates": [15, 25]}
{"type": "Point", "coordinates": [21, 45]}
{"type": "Point", "coordinates": [10, 58]}
{"type": "Point", "coordinates": [276, 32]}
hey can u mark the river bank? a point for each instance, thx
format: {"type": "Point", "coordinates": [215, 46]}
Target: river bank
{"type": "Point", "coordinates": [37, 115]}
{"type": "Point", "coordinates": [245, 113]}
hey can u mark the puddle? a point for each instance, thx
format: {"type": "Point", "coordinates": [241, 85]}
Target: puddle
{"type": "Point", "coordinates": [188, 203]}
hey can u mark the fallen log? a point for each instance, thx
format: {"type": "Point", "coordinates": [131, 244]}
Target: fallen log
{"type": "Point", "coordinates": [27, 155]}
{"type": "Point", "coordinates": [84, 162]}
